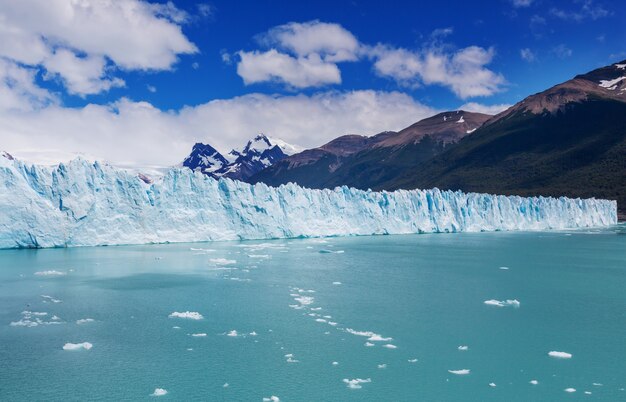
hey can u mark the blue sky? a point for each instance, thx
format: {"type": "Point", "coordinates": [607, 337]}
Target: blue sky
{"type": "Point", "coordinates": [110, 80]}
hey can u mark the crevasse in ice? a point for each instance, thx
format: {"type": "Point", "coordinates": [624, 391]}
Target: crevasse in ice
{"type": "Point", "coordinates": [84, 203]}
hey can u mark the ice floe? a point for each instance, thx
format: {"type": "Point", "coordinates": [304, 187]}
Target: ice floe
{"type": "Point", "coordinates": [232, 333]}
{"type": "Point", "coordinates": [77, 346]}
{"type": "Point", "coordinates": [503, 303]}
{"type": "Point", "coordinates": [335, 363]}
{"type": "Point", "coordinates": [369, 344]}
{"type": "Point", "coordinates": [463, 348]}
{"type": "Point", "coordinates": [492, 384]}
{"type": "Point", "coordinates": [199, 335]}
{"type": "Point", "coordinates": [371, 336]}
{"type": "Point", "coordinates": [263, 256]}
{"type": "Point", "coordinates": [460, 372]}
{"type": "Point", "coordinates": [84, 321]}
{"type": "Point", "coordinates": [34, 318]}
{"type": "Point", "coordinates": [355, 383]}
{"type": "Point", "coordinates": [51, 272]}
{"type": "Point", "coordinates": [159, 392]}
{"type": "Point", "coordinates": [50, 299]}
{"type": "Point", "coordinates": [336, 283]}
{"type": "Point", "coordinates": [560, 355]}
{"type": "Point", "coordinates": [570, 390]}
{"type": "Point", "coordinates": [191, 315]}
{"type": "Point", "coordinates": [390, 346]}
{"type": "Point", "coordinates": [412, 360]}
{"type": "Point", "coordinates": [382, 366]}
{"type": "Point", "coordinates": [222, 261]}
{"type": "Point", "coordinates": [272, 398]}
{"type": "Point", "coordinates": [534, 382]}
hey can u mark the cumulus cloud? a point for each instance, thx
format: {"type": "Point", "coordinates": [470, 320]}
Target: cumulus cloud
{"type": "Point", "coordinates": [299, 72]}
{"type": "Point", "coordinates": [300, 55]}
{"type": "Point", "coordinates": [464, 71]}
{"type": "Point", "coordinates": [78, 40]}
{"type": "Point", "coordinates": [130, 132]}
{"type": "Point", "coordinates": [330, 41]}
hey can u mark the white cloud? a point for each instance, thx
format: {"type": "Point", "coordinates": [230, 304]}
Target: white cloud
{"type": "Point", "coordinates": [81, 75]}
{"type": "Point", "coordinates": [331, 42]}
{"type": "Point", "coordinates": [588, 9]}
{"type": "Point", "coordinates": [301, 72]}
{"type": "Point", "coordinates": [562, 52]}
{"type": "Point", "coordinates": [18, 90]}
{"type": "Point", "coordinates": [78, 38]}
{"type": "Point", "coordinates": [137, 133]}
{"type": "Point", "coordinates": [463, 71]}
{"type": "Point", "coordinates": [301, 55]}
{"type": "Point", "coordinates": [487, 109]}
{"type": "Point", "coordinates": [522, 3]}
{"type": "Point", "coordinates": [527, 55]}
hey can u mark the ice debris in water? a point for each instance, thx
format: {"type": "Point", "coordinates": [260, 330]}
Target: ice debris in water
{"type": "Point", "coordinates": [504, 303]}
{"type": "Point", "coordinates": [560, 355]}
{"type": "Point", "coordinates": [174, 208]}
{"type": "Point", "coordinates": [77, 346]}
{"type": "Point", "coordinates": [191, 315]}
{"type": "Point", "coordinates": [355, 383]}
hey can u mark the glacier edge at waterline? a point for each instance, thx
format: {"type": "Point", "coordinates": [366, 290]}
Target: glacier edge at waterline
{"type": "Point", "coordinates": [87, 204]}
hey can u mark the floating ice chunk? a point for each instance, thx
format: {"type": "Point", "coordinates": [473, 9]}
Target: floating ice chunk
{"type": "Point", "coordinates": [597, 384]}
{"type": "Point", "coordinates": [225, 385]}
{"type": "Point", "coordinates": [272, 398]}
{"type": "Point", "coordinates": [264, 256]}
{"type": "Point", "coordinates": [77, 346]}
{"type": "Point", "coordinates": [199, 335]}
{"type": "Point", "coordinates": [50, 273]}
{"type": "Point", "coordinates": [369, 344]}
{"type": "Point", "coordinates": [463, 348]}
{"type": "Point", "coordinates": [492, 384]}
{"type": "Point", "coordinates": [253, 333]}
{"type": "Point", "coordinates": [505, 303]}
{"type": "Point", "coordinates": [84, 321]}
{"type": "Point", "coordinates": [412, 360]}
{"type": "Point", "coordinates": [504, 268]}
{"type": "Point", "coordinates": [176, 327]}
{"type": "Point", "coordinates": [320, 320]}
{"type": "Point", "coordinates": [316, 308]}
{"type": "Point", "coordinates": [159, 392]}
{"type": "Point", "coordinates": [335, 363]}
{"type": "Point", "coordinates": [459, 372]}
{"type": "Point", "coordinates": [50, 299]}
{"type": "Point", "coordinates": [332, 323]}
{"type": "Point", "coordinates": [560, 355]}
{"type": "Point", "coordinates": [222, 261]}
{"type": "Point", "coordinates": [587, 392]}
{"type": "Point", "coordinates": [232, 333]}
{"type": "Point", "coordinates": [389, 346]}
{"type": "Point", "coordinates": [534, 382]}
{"type": "Point", "coordinates": [570, 390]}
{"type": "Point", "coordinates": [305, 300]}
{"type": "Point", "coordinates": [372, 336]}
{"type": "Point", "coordinates": [336, 283]}
{"type": "Point", "coordinates": [191, 315]}
{"type": "Point", "coordinates": [382, 366]}
{"type": "Point", "coordinates": [355, 383]}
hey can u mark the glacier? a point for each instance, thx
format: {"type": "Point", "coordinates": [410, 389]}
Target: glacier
{"type": "Point", "coordinates": [83, 203]}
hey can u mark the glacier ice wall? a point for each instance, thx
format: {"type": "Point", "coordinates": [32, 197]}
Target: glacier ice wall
{"type": "Point", "coordinates": [82, 204]}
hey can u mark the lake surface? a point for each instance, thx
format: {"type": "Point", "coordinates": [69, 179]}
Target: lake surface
{"type": "Point", "coordinates": [277, 314]}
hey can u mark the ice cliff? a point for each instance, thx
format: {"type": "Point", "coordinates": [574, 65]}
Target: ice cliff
{"type": "Point", "coordinates": [83, 204]}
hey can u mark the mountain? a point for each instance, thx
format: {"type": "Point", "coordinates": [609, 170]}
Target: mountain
{"type": "Point", "coordinates": [258, 154]}
{"type": "Point", "coordinates": [370, 162]}
{"type": "Point", "coordinates": [568, 140]}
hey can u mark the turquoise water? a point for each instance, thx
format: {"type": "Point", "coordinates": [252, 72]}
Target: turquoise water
{"type": "Point", "coordinates": [427, 292]}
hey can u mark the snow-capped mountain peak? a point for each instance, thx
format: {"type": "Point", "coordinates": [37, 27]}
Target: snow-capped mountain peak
{"type": "Point", "coordinates": [259, 153]}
